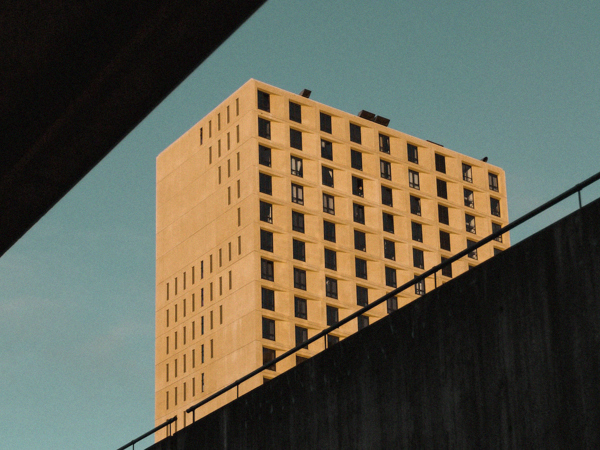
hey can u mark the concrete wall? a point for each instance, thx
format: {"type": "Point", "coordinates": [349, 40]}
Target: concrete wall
{"type": "Point", "coordinates": [504, 356]}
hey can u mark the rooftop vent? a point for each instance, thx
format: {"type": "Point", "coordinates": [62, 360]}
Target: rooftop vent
{"type": "Point", "coordinates": [382, 121]}
{"type": "Point", "coordinates": [434, 143]}
{"type": "Point", "coordinates": [305, 93]}
{"type": "Point", "coordinates": [366, 115]}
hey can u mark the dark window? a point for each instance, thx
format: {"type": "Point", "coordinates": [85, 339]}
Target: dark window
{"type": "Point", "coordinates": [413, 153]}
{"type": "Point", "coordinates": [467, 171]}
{"type": "Point", "coordinates": [332, 315]}
{"type": "Point", "coordinates": [295, 112]}
{"type": "Point", "coordinates": [266, 184]}
{"type": "Point", "coordinates": [389, 249]}
{"type": "Point", "coordinates": [446, 271]}
{"type": "Point", "coordinates": [268, 299]}
{"type": "Point", "coordinates": [327, 176]}
{"type": "Point", "coordinates": [385, 169]}
{"type": "Point", "coordinates": [357, 187]}
{"type": "Point", "coordinates": [355, 135]}
{"type": "Point", "coordinates": [300, 359]}
{"type": "Point", "coordinates": [469, 198]}
{"type": "Point", "coordinates": [470, 223]}
{"type": "Point", "coordinates": [264, 128]}
{"type": "Point", "coordinates": [473, 253]}
{"type": "Point", "coordinates": [497, 251]}
{"type": "Point", "coordinates": [493, 179]}
{"type": "Point", "coordinates": [331, 288]}
{"type": "Point", "coordinates": [329, 231]}
{"type": "Point", "coordinates": [299, 250]}
{"type": "Point", "coordinates": [495, 206]}
{"type": "Point", "coordinates": [300, 308]}
{"type": "Point", "coordinates": [417, 231]}
{"type": "Point", "coordinates": [301, 336]}
{"type": "Point", "coordinates": [418, 258]}
{"type": "Point", "coordinates": [297, 194]}
{"type": "Point", "coordinates": [332, 340]}
{"type": "Point", "coordinates": [266, 212]}
{"type": "Point", "coordinates": [268, 356]}
{"type": "Point", "coordinates": [360, 268]}
{"type": "Point", "coordinates": [360, 241]}
{"type": "Point", "coordinates": [413, 179]}
{"type": "Point", "coordinates": [392, 304]}
{"type": "Point", "coordinates": [444, 240]}
{"type": "Point", "coordinates": [390, 277]}
{"type": "Point", "coordinates": [296, 166]}
{"type": "Point", "coordinates": [268, 329]}
{"type": "Point", "coordinates": [359, 213]}
{"type": "Point", "coordinates": [497, 227]}
{"type": "Point", "coordinates": [264, 101]}
{"type": "Point", "coordinates": [442, 189]}
{"type": "Point", "coordinates": [415, 205]}
{"type": "Point", "coordinates": [443, 216]}
{"type": "Point", "coordinates": [388, 222]}
{"type": "Point", "coordinates": [356, 159]}
{"type": "Point", "coordinates": [264, 155]}
{"type": "Point", "coordinates": [295, 139]}
{"type": "Point", "coordinates": [266, 240]}
{"type": "Point", "coordinates": [362, 296]}
{"type": "Point", "coordinates": [386, 196]}
{"type": "Point", "coordinates": [384, 143]}
{"type": "Point", "coordinates": [325, 123]}
{"type": "Point", "coordinates": [266, 269]}
{"type": "Point", "coordinates": [363, 321]}
{"type": "Point", "coordinates": [420, 287]}
{"type": "Point", "coordinates": [330, 259]}
{"type": "Point", "coordinates": [297, 221]}
{"type": "Point", "coordinates": [440, 163]}
{"type": "Point", "coordinates": [328, 204]}
{"type": "Point", "coordinates": [299, 279]}
{"type": "Point", "coordinates": [326, 150]}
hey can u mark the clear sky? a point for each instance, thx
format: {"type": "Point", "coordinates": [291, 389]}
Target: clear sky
{"type": "Point", "coordinates": [515, 81]}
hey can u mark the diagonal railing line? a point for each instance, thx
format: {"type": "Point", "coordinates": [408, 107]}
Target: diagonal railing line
{"type": "Point", "coordinates": [148, 433]}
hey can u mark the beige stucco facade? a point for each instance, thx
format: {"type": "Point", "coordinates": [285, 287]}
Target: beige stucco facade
{"type": "Point", "coordinates": [225, 291]}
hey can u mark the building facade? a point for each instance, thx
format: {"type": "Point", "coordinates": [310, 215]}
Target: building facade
{"type": "Point", "coordinates": [278, 216]}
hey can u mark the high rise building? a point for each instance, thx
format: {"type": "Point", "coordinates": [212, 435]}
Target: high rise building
{"type": "Point", "coordinates": [277, 216]}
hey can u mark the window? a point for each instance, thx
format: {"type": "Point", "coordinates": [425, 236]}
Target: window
{"type": "Point", "coordinates": [390, 276]}
{"type": "Point", "coordinates": [330, 259]}
{"type": "Point", "coordinates": [356, 159]}
{"type": "Point", "coordinates": [264, 101]}
{"type": "Point", "coordinates": [389, 249]}
{"type": "Point", "coordinates": [392, 304]}
{"type": "Point", "coordinates": [266, 269]}
{"type": "Point", "coordinates": [413, 153]}
{"type": "Point", "coordinates": [384, 143]}
{"type": "Point", "coordinates": [266, 184]}
{"type": "Point", "coordinates": [493, 179]}
{"type": "Point", "coordinates": [420, 287]}
{"type": "Point", "coordinates": [360, 266]}
{"type": "Point", "coordinates": [359, 213]}
{"type": "Point", "coordinates": [266, 212]}
{"type": "Point", "coordinates": [388, 222]}
{"type": "Point", "coordinates": [297, 221]}
{"type": "Point", "coordinates": [440, 163]}
{"type": "Point", "coordinates": [331, 287]}
{"type": "Point", "coordinates": [299, 279]}
{"type": "Point", "coordinates": [363, 321]}
{"type": "Point", "coordinates": [360, 241]}
{"type": "Point", "coordinates": [413, 179]}
{"type": "Point", "coordinates": [418, 258]}
{"type": "Point", "coordinates": [264, 155]}
{"type": "Point", "coordinates": [295, 112]}
{"type": "Point", "coordinates": [329, 231]}
{"type": "Point", "coordinates": [385, 169]}
{"type": "Point", "coordinates": [442, 189]}
{"type": "Point", "coordinates": [327, 176]}
{"type": "Point", "coordinates": [300, 308]}
{"type": "Point", "coordinates": [473, 253]}
{"type": "Point", "coordinates": [497, 251]}
{"type": "Point", "coordinates": [296, 166]}
{"type": "Point", "coordinates": [357, 187]}
{"type": "Point", "coordinates": [268, 329]}
{"type": "Point", "coordinates": [268, 356]}
{"type": "Point", "coordinates": [268, 299]}
{"type": "Point", "coordinates": [264, 128]}
{"type": "Point", "coordinates": [470, 223]}
{"type": "Point", "coordinates": [332, 340]}
{"type": "Point", "coordinates": [443, 216]}
{"type": "Point", "coordinates": [297, 194]}
{"type": "Point", "coordinates": [301, 336]}
{"type": "Point", "coordinates": [415, 205]}
{"type": "Point", "coordinates": [496, 227]}
{"type": "Point", "coordinates": [469, 198]}
{"type": "Point", "coordinates": [266, 240]}
{"type": "Point", "coordinates": [467, 172]}
{"type": "Point", "coordinates": [295, 139]}
{"type": "Point", "coordinates": [328, 204]}
{"type": "Point", "coordinates": [417, 231]}
{"type": "Point", "coordinates": [444, 240]}
{"type": "Point", "coordinates": [326, 150]}
{"type": "Point", "coordinates": [332, 315]}
{"type": "Point", "coordinates": [446, 271]}
{"type": "Point", "coordinates": [362, 296]}
{"type": "Point", "coordinates": [299, 250]}
{"type": "Point", "coordinates": [355, 135]}
{"type": "Point", "coordinates": [325, 123]}
{"type": "Point", "coordinates": [386, 196]}
{"type": "Point", "coordinates": [495, 206]}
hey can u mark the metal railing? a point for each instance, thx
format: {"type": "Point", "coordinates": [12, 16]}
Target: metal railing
{"type": "Point", "coordinates": [152, 431]}
{"type": "Point", "coordinates": [433, 271]}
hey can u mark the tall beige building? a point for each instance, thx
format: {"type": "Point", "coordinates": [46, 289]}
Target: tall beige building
{"type": "Point", "coordinates": [277, 215]}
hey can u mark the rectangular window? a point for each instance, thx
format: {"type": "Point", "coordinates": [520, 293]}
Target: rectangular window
{"type": "Point", "coordinates": [212, 353]}
{"type": "Point", "coordinates": [268, 329]}
{"type": "Point", "coordinates": [266, 240]}
{"type": "Point", "coordinates": [386, 196]}
{"type": "Point", "coordinates": [497, 251]}
{"type": "Point", "coordinates": [299, 250]}
{"type": "Point", "coordinates": [363, 321]}
{"type": "Point", "coordinates": [268, 356]}
{"type": "Point", "coordinates": [329, 231]}
{"type": "Point", "coordinates": [390, 277]}
{"type": "Point", "coordinates": [297, 194]}
{"type": "Point", "coordinates": [301, 336]}
{"type": "Point", "coordinates": [295, 112]}
{"type": "Point", "coordinates": [389, 249]}
{"type": "Point", "coordinates": [328, 204]}
{"type": "Point", "coordinates": [384, 143]}
{"type": "Point", "coordinates": [264, 101]}
{"type": "Point", "coordinates": [331, 288]}
{"type": "Point", "coordinates": [385, 169]}
{"type": "Point", "coordinates": [359, 213]}
{"type": "Point", "coordinates": [446, 271]}
{"type": "Point", "coordinates": [497, 227]}
{"type": "Point", "coordinates": [360, 266]}
{"type": "Point", "coordinates": [360, 241]}
{"type": "Point", "coordinates": [264, 155]}
{"type": "Point", "coordinates": [268, 299]}
{"type": "Point", "coordinates": [297, 221]}
{"type": "Point", "coordinates": [296, 166]}
{"type": "Point", "coordinates": [413, 179]}
{"type": "Point", "coordinates": [326, 150]}
{"type": "Point", "coordinates": [418, 258]}
{"type": "Point", "coordinates": [473, 253]}
{"type": "Point", "coordinates": [300, 359]}
{"type": "Point", "coordinates": [264, 128]}
{"type": "Point", "coordinates": [440, 163]}
{"type": "Point", "coordinates": [469, 198]}
{"type": "Point", "coordinates": [442, 189]}
{"type": "Point", "coordinates": [299, 279]}
{"type": "Point", "coordinates": [467, 172]}
{"type": "Point", "coordinates": [413, 153]}
{"type": "Point", "coordinates": [388, 222]}
{"type": "Point", "coordinates": [470, 223]}
{"type": "Point", "coordinates": [295, 139]}
{"type": "Point", "coordinates": [237, 106]}
{"type": "Point", "coordinates": [325, 120]}
{"type": "Point", "coordinates": [417, 231]}
{"type": "Point", "coordinates": [211, 320]}
{"type": "Point", "coordinates": [332, 340]}
{"type": "Point", "coordinates": [332, 315]}
{"type": "Point", "coordinates": [327, 176]}
{"type": "Point", "coordinates": [415, 205]}
{"type": "Point", "coordinates": [443, 215]}
{"type": "Point", "coordinates": [493, 179]}
{"type": "Point", "coordinates": [392, 304]}
{"type": "Point", "coordinates": [495, 206]}
{"type": "Point", "coordinates": [202, 326]}
{"type": "Point", "coordinates": [356, 159]}
{"type": "Point", "coordinates": [362, 296]}
{"type": "Point", "coordinates": [357, 187]}
{"type": "Point", "coordinates": [420, 287]}
{"type": "Point", "coordinates": [444, 240]}
{"type": "Point", "coordinates": [266, 269]}
{"type": "Point", "coordinates": [265, 183]}
{"type": "Point", "coordinates": [355, 133]}
{"type": "Point", "coordinates": [266, 212]}
{"type": "Point", "coordinates": [330, 259]}
{"type": "Point", "coordinates": [300, 310]}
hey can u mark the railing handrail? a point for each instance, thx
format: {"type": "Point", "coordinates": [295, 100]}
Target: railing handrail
{"type": "Point", "coordinates": [148, 433]}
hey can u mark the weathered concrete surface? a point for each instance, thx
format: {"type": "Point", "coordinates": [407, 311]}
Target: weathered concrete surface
{"type": "Point", "coordinates": [505, 356]}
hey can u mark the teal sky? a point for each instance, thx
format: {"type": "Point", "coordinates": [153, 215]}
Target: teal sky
{"type": "Point", "coordinates": [515, 81]}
